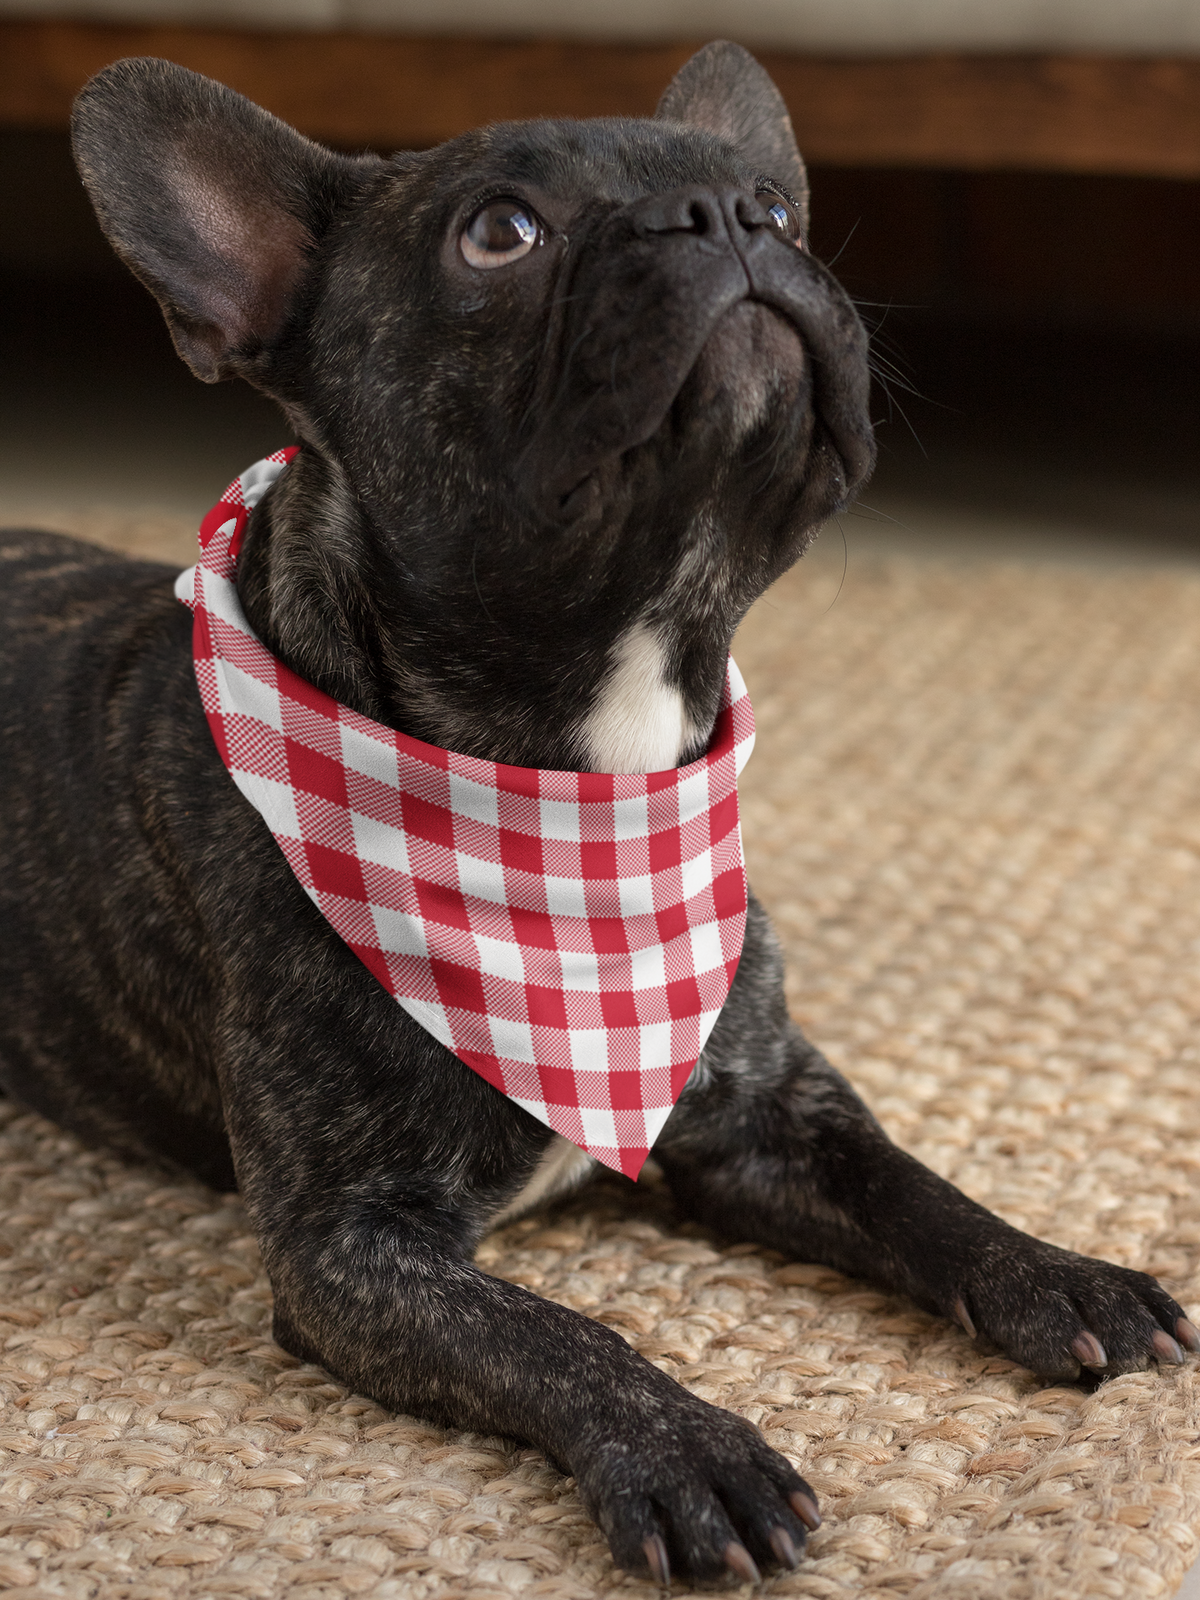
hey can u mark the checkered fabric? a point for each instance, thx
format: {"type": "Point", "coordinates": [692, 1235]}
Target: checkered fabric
{"type": "Point", "coordinates": [569, 935]}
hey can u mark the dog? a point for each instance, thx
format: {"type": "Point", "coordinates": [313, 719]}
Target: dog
{"type": "Point", "coordinates": [570, 395]}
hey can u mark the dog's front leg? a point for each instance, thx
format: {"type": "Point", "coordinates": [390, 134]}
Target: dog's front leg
{"type": "Point", "coordinates": [368, 1232]}
{"type": "Point", "coordinates": [770, 1143]}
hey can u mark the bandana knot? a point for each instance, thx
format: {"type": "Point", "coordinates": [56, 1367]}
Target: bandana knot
{"type": "Point", "coordinates": [571, 936]}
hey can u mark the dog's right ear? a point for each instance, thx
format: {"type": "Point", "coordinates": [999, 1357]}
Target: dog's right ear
{"type": "Point", "coordinates": [724, 90]}
{"type": "Point", "coordinates": [211, 201]}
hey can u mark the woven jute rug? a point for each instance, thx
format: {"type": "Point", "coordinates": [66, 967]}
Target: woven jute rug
{"type": "Point", "coordinates": [974, 811]}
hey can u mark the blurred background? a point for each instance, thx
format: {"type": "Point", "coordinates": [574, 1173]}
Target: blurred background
{"type": "Point", "coordinates": [1014, 200]}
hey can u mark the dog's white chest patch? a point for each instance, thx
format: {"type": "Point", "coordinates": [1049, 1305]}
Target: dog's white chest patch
{"type": "Point", "coordinates": [638, 723]}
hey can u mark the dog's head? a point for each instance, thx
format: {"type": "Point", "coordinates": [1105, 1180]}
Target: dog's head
{"type": "Point", "coordinates": [572, 394]}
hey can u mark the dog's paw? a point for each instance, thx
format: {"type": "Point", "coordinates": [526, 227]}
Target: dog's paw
{"type": "Point", "coordinates": [1060, 1314]}
{"type": "Point", "coordinates": [698, 1495]}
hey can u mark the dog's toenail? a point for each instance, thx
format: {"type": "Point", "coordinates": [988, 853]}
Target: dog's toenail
{"type": "Point", "coordinates": [1088, 1350]}
{"type": "Point", "coordinates": [1165, 1348]}
{"type": "Point", "coordinates": [656, 1558]}
{"type": "Point", "coordinates": [740, 1562]}
{"type": "Point", "coordinates": [964, 1316]}
{"type": "Point", "coordinates": [785, 1550]}
{"type": "Point", "coordinates": [805, 1508]}
{"type": "Point", "coordinates": [1188, 1335]}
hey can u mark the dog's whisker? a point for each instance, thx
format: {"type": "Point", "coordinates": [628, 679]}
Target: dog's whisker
{"type": "Point", "coordinates": [834, 259]}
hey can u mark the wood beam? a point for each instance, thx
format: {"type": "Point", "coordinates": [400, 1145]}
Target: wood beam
{"type": "Point", "coordinates": [1040, 113]}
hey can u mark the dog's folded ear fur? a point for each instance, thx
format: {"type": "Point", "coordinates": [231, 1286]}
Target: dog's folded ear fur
{"type": "Point", "coordinates": [724, 90]}
{"type": "Point", "coordinates": [213, 203]}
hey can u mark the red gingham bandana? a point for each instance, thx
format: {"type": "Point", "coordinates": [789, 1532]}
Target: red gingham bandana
{"type": "Point", "coordinates": [569, 935]}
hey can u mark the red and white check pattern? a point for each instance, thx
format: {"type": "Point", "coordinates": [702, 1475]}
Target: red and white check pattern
{"type": "Point", "coordinates": [570, 935]}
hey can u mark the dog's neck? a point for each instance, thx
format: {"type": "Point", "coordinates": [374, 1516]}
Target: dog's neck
{"type": "Point", "coordinates": [611, 695]}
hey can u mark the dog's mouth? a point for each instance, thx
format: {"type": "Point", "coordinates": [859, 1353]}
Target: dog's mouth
{"type": "Point", "coordinates": [676, 333]}
{"type": "Point", "coordinates": [753, 366]}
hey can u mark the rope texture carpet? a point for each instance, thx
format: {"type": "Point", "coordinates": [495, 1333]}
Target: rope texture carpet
{"type": "Point", "coordinates": [974, 813]}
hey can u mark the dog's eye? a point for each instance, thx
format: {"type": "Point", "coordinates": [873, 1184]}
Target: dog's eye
{"type": "Point", "coordinates": [781, 214]}
{"type": "Point", "coordinates": [499, 232]}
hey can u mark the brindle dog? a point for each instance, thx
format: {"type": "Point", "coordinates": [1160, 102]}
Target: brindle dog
{"type": "Point", "coordinates": [570, 397]}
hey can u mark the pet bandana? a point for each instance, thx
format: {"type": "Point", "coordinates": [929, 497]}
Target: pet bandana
{"type": "Point", "coordinates": [571, 936]}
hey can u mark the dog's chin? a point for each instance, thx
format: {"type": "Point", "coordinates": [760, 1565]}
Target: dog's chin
{"type": "Point", "coordinates": [752, 374]}
{"type": "Point", "coordinates": [751, 409]}
{"type": "Point", "coordinates": [751, 370]}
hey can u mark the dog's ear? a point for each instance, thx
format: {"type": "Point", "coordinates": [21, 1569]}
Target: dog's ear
{"type": "Point", "coordinates": [214, 204]}
{"type": "Point", "coordinates": [723, 90]}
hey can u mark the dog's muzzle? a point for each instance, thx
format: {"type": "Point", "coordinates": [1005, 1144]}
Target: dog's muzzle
{"type": "Point", "coordinates": [645, 295]}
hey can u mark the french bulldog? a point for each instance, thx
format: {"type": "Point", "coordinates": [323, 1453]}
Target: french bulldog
{"type": "Point", "coordinates": [569, 395]}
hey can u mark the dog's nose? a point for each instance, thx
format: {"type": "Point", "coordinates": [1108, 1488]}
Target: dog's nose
{"type": "Point", "coordinates": [733, 214]}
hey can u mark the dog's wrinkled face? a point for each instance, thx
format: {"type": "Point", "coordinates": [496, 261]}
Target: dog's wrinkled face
{"type": "Point", "coordinates": [574, 393]}
{"type": "Point", "coordinates": [612, 324]}
{"type": "Point", "coordinates": [604, 304]}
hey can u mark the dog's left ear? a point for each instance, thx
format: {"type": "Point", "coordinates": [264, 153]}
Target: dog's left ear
{"type": "Point", "coordinates": [723, 90]}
